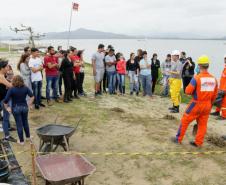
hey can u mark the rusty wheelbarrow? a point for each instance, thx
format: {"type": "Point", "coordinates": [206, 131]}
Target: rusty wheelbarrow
{"type": "Point", "coordinates": [59, 169]}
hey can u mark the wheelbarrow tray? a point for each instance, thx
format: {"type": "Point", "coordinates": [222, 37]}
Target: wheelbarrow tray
{"type": "Point", "coordinates": [47, 132]}
{"type": "Point", "coordinates": [60, 169]}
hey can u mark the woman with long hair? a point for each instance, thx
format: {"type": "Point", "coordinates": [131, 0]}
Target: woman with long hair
{"type": "Point", "coordinates": [82, 73]}
{"type": "Point", "coordinates": [155, 65]}
{"type": "Point", "coordinates": [188, 72]}
{"type": "Point", "coordinates": [121, 72]}
{"type": "Point", "coordinates": [4, 86]}
{"type": "Point", "coordinates": [68, 76]}
{"type": "Point", "coordinates": [25, 71]}
{"type": "Point", "coordinates": [133, 72]}
{"type": "Point", "coordinates": [18, 94]}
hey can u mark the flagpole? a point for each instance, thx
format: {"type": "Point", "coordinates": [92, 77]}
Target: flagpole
{"type": "Point", "coordinates": [69, 31]}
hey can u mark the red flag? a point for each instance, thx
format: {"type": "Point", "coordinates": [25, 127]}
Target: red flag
{"type": "Point", "coordinates": [75, 6]}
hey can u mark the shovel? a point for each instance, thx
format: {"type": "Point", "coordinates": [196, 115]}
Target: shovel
{"type": "Point", "coordinates": [195, 129]}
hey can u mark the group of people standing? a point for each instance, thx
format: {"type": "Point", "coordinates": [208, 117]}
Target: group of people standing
{"type": "Point", "coordinates": [67, 65]}
{"type": "Point", "coordinates": [110, 69]}
{"type": "Point", "coordinates": [178, 71]}
{"type": "Point", "coordinates": [18, 93]}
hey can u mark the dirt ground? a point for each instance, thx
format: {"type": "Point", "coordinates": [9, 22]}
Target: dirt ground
{"type": "Point", "coordinates": [131, 124]}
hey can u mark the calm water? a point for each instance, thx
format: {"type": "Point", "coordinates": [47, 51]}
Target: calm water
{"type": "Point", "coordinates": [194, 48]}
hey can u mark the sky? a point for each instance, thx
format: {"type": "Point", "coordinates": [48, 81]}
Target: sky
{"type": "Point", "coordinates": [133, 17]}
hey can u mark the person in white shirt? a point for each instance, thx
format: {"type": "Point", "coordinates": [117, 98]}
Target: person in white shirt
{"type": "Point", "coordinates": [36, 66]}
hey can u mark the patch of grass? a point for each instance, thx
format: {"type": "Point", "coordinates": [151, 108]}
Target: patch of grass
{"type": "Point", "coordinates": [156, 174]}
{"type": "Point", "coordinates": [158, 89]}
{"type": "Point", "coordinates": [201, 181]}
{"type": "Point", "coordinates": [4, 49]}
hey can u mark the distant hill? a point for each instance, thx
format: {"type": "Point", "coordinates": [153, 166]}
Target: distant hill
{"type": "Point", "coordinates": [87, 34]}
{"type": "Point", "coordinates": [92, 34]}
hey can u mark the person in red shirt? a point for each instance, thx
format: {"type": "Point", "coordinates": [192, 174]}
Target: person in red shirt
{"type": "Point", "coordinates": [121, 72]}
{"type": "Point", "coordinates": [52, 73]}
{"type": "Point", "coordinates": [222, 94]}
{"type": "Point", "coordinates": [203, 88]}
{"type": "Point", "coordinates": [77, 64]}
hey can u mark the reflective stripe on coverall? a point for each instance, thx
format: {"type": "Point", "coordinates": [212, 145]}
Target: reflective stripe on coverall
{"type": "Point", "coordinates": [223, 88]}
{"type": "Point", "coordinates": [203, 88]}
{"type": "Point", "coordinates": [175, 88]}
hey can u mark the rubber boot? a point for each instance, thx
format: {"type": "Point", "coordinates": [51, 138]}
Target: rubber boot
{"type": "Point", "coordinates": [175, 110]}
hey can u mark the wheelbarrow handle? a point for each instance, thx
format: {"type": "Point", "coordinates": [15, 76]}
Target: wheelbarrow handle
{"type": "Point", "coordinates": [80, 119]}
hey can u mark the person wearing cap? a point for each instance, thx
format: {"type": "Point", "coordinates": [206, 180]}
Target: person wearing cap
{"type": "Point", "coordinates": [166, 67]}
{"type": "Point", "coordinates": [175, 81]}
{"type": "Point", "coordinates": [203, 89]}
{"type": "Point", "coordinates": [98, 68]}
{"type": "Point", "coordinates": [222, 92]}
{"type": "Point", "coordinates": [4, 86]}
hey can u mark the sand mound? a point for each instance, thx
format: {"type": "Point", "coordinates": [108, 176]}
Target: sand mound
{"type": "Point", "coordinates": [216, 140]}
{"type": "Point", "coordinates": [117, 109]}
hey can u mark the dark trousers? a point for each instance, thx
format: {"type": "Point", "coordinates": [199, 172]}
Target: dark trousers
{"type": "Point", "coordinates": [76, 84]}
{"type": "Point", "coordinates": [5, 121]}
{"type": "Point", "coordinates": [37, 91]}
{"type": "Point", "coordinates": [154, 81]}
{"type": "Point", "coordinates": [186, 81]}
{"type": "Point", "coordinates": [20, 114]}
{"type": "Point", "coordinates": [60, 83]}
{"type": "Point", "coordinates": [68, 83]}
{"type": "Point", "coordinates": [104, 82]}
{"type": "Point", "coordinates": [81, 81]}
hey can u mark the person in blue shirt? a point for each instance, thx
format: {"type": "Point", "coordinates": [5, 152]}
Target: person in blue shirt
{"type": "Point", "coordinates": [17, 94]}
{"type": "Point", "coordinates": [145, 75]}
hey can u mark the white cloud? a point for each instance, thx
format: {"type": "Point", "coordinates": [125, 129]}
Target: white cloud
{"type": "Point", "coordinates": [122, 16]}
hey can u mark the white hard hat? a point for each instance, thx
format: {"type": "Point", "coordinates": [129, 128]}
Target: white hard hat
{"type": "Point", "coordinates": [224, 56]}
{"type": "Point", "coordinates": [175, 52]}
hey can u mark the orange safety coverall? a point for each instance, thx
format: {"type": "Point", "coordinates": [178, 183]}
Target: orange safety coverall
{"type": "Point", "coordinates": [223, 88]}
{"type": "Point", "coordinates": [203, 88]}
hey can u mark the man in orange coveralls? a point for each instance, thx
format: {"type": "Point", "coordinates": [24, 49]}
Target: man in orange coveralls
{"type": "Point", "coordinates": [222, 91]}
{"type": "Point", "coordinates": [203, 88]}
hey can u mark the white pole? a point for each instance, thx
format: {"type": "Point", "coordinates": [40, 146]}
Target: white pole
{"type": "Point", "coordinates": [69, 31]}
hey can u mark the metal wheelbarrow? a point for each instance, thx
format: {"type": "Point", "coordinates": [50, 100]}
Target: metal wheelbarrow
{"type": "Point", "coordinates": [59, 169]}
{"type": "Point", "coordinates": [52, 135]}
